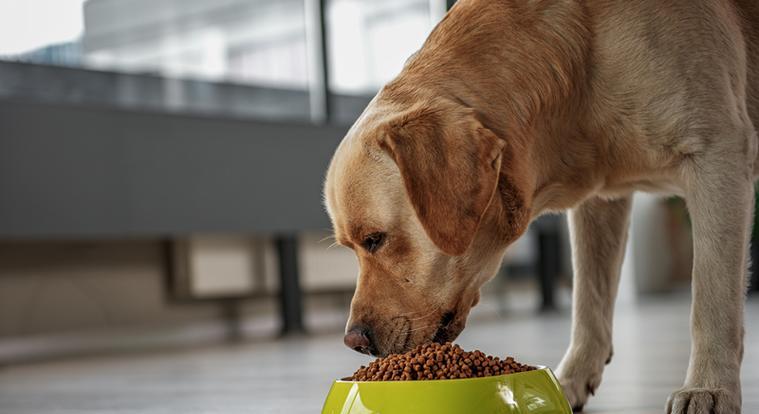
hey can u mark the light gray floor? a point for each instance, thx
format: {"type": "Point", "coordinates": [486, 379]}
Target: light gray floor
{"type": "Point", "coordinates": [651, 352]}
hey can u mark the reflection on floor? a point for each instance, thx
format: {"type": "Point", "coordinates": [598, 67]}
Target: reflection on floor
{"type": "Point", "coordinates": [292, 376]}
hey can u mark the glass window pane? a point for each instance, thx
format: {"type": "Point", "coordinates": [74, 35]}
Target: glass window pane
{"type": "Point", "coordinates": [260, 42]}
{"type": "Point", "coordinates": [28, 33]}
{"type": "Point", "coordinates": [255, 42]}
{"type": "Point", "coordinates": [369, 41]}
{"type": "Point", "coordinates": [233, 57]}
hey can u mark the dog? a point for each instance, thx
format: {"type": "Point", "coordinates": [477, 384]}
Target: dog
{"type": "Point", "coordinates": [516, 108]}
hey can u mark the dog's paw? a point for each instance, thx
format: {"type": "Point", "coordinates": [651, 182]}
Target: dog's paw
{"type": "Point", "coordinates": [578, 387]}
{"type": "Point", "coordinates": [691, 400]}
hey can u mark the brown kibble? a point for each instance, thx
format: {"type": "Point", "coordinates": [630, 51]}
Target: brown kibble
{"type": "Point", "coordinates": [436, 361]}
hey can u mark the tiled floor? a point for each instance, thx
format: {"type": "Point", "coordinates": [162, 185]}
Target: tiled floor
{"type": "Point", "coordinates": [651, 351]}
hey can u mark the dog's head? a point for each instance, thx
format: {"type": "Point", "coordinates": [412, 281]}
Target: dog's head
{"type": "Point", "coordinates": [423, 197]}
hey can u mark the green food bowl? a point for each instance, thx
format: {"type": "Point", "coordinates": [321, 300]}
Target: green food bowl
{"type": "Point", "coordinates": [534, 392]}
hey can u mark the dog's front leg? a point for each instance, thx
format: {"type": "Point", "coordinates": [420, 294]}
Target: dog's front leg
{"type": "Point", "coordinates": [720, 200]}
{"type": "Point", "coordinates": [599, 232]}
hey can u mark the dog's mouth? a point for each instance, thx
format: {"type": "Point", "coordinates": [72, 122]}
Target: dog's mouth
{"type": "Point", "coordinates": [400, 335]}
{"type": "Point", "coordinates": [446, 330]}
{"type": "Point", "coordinates": [400, 332]}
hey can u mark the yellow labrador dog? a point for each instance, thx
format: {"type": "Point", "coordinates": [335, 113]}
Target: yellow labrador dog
{"type": "Point", "coordinates": [515, 108]}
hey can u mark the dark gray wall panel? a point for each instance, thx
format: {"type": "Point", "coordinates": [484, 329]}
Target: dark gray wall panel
{"type": "Point", "coordinates": [68, 171]}
{"type": "Point", "coordinates": [62, 85]}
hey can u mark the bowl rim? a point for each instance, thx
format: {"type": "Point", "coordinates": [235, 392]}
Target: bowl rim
{"type": "Point", "coordinates": [537, 368]}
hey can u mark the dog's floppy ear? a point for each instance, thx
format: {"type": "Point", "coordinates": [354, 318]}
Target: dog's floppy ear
{"type": "Point", "coordinates": [450, 166]}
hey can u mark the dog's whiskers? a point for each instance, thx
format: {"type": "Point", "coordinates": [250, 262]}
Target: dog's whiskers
{"type": "Point", "coordinates": [408, 313]}
{"type": "Point", "coordinates": [420, 328]}
{"type": "Point", "coordinates": [331, 236]}
{"type": "Point", "coordinates": [417, 312]}
{"type": "Point", "coordinates": [426, 315]}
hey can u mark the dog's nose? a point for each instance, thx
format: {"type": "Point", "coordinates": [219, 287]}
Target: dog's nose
{"type": "Point", "coordinates": [358, 339]}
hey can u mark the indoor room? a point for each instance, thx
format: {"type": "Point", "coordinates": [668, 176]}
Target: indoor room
{"type": "Point", "coordinates": [237, 206]}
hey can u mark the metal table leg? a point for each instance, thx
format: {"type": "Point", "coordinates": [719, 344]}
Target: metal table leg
{"type": "Point", "coordinates": [290, 295]}
{"type": "Point", "coordinates": [549, 262]}
{"type": "Point", "coordinates": [754, 278]}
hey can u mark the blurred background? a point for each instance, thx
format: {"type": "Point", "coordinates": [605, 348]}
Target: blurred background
{"type": "Point", "coordinates": [161, 164]}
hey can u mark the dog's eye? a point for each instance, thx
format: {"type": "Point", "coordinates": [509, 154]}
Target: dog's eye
{"type": "Point", "coordinates": [373, 242]}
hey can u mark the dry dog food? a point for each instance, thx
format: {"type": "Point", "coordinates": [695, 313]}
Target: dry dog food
{"type": "Point", "coordinates": [436, 361]}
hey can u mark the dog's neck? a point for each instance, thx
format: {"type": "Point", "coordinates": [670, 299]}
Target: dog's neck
{"type": "Point", "coordinates": [517, 63]}
{"type": "Point", "coordinates": [511, 60]}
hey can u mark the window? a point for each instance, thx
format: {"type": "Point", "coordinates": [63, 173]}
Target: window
{"type": "Point", "coordinates": [243, 41]}
{"type": "Point", "coordinates": [369, 41]}
{"type": "Point", "coordinates": [231, 57]}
